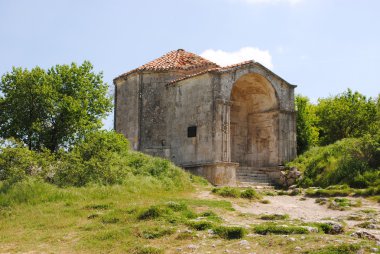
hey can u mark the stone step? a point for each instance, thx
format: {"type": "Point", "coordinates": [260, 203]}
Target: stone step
{"type": "Point", "coordinates": [253, 177]}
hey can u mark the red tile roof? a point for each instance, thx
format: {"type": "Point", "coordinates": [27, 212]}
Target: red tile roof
{"type": "Point", "coordinates": [216, 69]}
{"type": "Point", "coordinates": [175, 60]}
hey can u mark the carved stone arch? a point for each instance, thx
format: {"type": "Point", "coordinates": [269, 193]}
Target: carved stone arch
{"type": "Point", "coordinates": [254, 108]}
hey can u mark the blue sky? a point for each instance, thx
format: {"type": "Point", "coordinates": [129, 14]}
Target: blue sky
{"type": "Point", "coordinates": [323, 46]}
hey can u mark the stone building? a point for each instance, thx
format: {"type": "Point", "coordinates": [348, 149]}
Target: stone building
{"type": "Point", "coordinates": [230, 124]}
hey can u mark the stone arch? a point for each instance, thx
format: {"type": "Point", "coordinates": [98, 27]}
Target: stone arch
{"type": "Point", "coordinates": [254, 122]}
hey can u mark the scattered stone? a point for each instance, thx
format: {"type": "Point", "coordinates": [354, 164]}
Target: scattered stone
{"type": "Point", "coordinates": [192, 246]}
{"type": "Point", "coordinates": [292, 239]}
{"type": "Point", "coordinates": [364, 234]}
{"type": "Point", "coordinates": [213, 245]}
{"type": "Point", "coordinates": [298, 248]}
{"type": "Point", "coordinates": [374, 249]}
{"type": "Point", "coordinates": [179, 249]}
{"type": "Point", "coordinates": [244, 243]}
{"type": "Point", "coordinates": [302, 237]}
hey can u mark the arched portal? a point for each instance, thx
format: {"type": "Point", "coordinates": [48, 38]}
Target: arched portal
{"type": "Point", "coordinates": [254, 122]}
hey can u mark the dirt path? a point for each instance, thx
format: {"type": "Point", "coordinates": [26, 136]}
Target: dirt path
{"type": "Point", "coordinates": [297, 207]}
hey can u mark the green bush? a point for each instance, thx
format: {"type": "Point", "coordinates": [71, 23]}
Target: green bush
{"type": "Point", "coordinates": [351, 161]}
{"type": "Point", "coordinates": [274, 217]}
{"type": "Point", "coordinates": [199, 225]}
{"type": "Point", "coordinates": [176, 206]}
{"type": "Point", "coordinates": [147, 250]}
{"type": "Point", "coordinates": [152, 212]}
{"type": "Point", "coordinates": [227, 192]}
{"type": "Point", "coordinates": [98, 158]}
{"type": "Point", "coordinates": [340, 249]}
{"type": "Point", "coordinates": [328, 192]}
{"type": "Point", "coordinates": [229, 232]}
{"type": "Point", "coordinates": [250, 194]}
{"type": "Point", "coordinates": [270, 228]}
{"type": "Point", "coordinates": [156, 232]}
{"type": "Point", "coordinates": [18, 162]}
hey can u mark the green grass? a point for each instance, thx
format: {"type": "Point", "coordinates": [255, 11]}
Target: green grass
{"type": "Point", "coordinates": [274, 217]}
{"type": "Point", "coordinates": [200, 225]}
{"type": "Point", "coordinates": [340, 249]}
{"type": "Point", "coordinates": [271, 228]}
{"type": "Point", "coordinates": [231, 192]}
{"type": "Point", "coordinates": [230, 232]}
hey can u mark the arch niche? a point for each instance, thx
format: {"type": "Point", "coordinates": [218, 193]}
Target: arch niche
{"type": "Point", "coordinates": [254, 122]}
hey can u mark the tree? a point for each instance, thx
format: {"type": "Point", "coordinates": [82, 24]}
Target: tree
{"type": "Point", "coordinates": [54, 108]}
{"type": "Point", "coordinates": [349, 114]}
{"type": "Point", "coordinates": [307, 132]}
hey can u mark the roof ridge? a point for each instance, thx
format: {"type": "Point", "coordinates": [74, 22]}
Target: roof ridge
{"type": "Point", "coordinates": [174, 60]}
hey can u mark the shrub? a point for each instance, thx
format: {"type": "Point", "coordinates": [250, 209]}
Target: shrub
{"type": "Point", "coordinates": [274, 217]}
{"type": "Point", "coordinates": [340, 249]}
{"type": "Point", "coordinates": [351, 161]}
{"type": "Point", "coordinates": [227, 192]}
{"type": "Point", "coordinates": [229, 232]}
{"type": "Point", "coordinates": [250, 194]}
{"type": "Point", "coordinates": [98, 158]}
{"type": "Point", "coordinates": [328, 193]}
{"type": "Point", "coordinates": [176, 206]}
{"type": "Point", "coordinates": [323, 227]}
{"type": "Point", "coordinates": [199, 225]}
{"type": "Point", "coordinates": [152, 212]}
{"type": "Point", "coordinates": [147, 250]}
{"type": "Point", "coordinates": [270, 228]}
{"type": "Point", "coordinates": [156, 232]}
{"type": "Point", "coordinates": [18, 162]}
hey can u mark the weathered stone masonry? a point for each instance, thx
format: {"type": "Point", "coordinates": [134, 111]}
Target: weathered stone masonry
{"type": "Point", "coordinates": [229, 124]}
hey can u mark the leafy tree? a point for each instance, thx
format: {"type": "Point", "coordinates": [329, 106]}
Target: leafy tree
{"type": "Point", "coordinates": [52, 109]}
{"type": "Point", "coordinates": [349, 114]}
{"type": "Point", "coordinates": [307, 132]}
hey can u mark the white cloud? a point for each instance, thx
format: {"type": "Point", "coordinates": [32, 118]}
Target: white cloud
{"type": "Point", "coordinates": [291, 2]}
{"type": "Point", "coordinates": [224, 58]}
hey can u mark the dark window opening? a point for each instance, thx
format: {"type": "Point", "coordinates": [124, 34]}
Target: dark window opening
{"type": "Point", "coordinates": [192, 131]}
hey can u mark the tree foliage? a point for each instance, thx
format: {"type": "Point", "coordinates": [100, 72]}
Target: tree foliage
{"type": "Point", "coordinates": [307, 131]}
{"type": "Point", "coordinates": [52, 109]}
{"type": "Point", "coordinates": [349, 114]}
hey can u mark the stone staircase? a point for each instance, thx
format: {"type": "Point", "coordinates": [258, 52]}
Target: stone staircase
{"type": "Point", "coordinates": [249, 176]}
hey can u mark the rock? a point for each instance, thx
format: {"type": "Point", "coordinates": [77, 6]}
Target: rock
{"type": "Point", "coordinates": [213, 245]}
{"type": "Point", "coordinates": [292, 187]}
{"type": "Point", "coordinates": [377, 243]}
{"type": "Point", "coordinates": [192, 246]}
{"type": "Point", "coordinates": [244, 243]}
{"type": "Point", "coordinates": [374, 249]}
{"type": "Point", "coordinates": [298, 248]}
{"type": "Point", "coordinates": [302, 237]}
{"type": "Point", "coordinates": [292, 239]}
{"type": "Point", "coordinates": [289, 177]}
{"type": "Point", "coordinates": [336, 228]}
{"type": "Point", "coordinates": [364, 234]}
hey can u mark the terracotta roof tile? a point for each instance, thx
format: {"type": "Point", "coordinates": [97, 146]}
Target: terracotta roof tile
{"type": "Point", "coordinates": [174, 60]}
{"type": "Point", "coordinates": [217, 69]}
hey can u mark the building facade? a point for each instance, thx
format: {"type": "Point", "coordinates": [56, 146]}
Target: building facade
{"type": "Point", "coordinates": [229, 124]}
